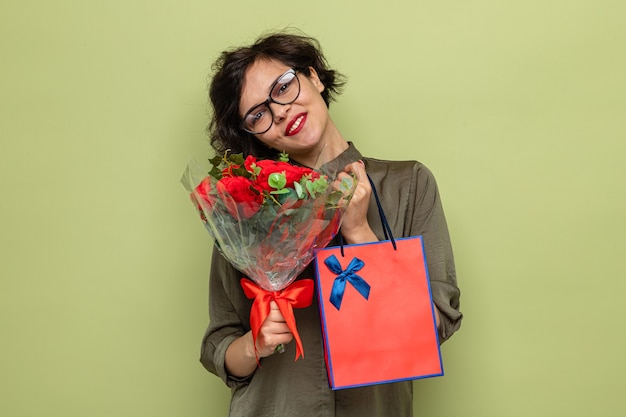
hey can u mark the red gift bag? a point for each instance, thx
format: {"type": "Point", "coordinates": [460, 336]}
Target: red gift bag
{"type": "Point", "coordinates": [377, 314]}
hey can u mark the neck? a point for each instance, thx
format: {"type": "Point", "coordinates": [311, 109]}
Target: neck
{"type": "Point", "coordinates": [330, 146]}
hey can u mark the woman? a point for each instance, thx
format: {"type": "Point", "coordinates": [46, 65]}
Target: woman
{"type": "Point", "coordinates": [283, 87]}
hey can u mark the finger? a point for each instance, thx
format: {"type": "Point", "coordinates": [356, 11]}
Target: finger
{"type": "Point", "coordinates": [284, 338]}
{"type": "Point", "coordinates": [275, 329]}
{"type": "Point", "coordinates": [363, 184]}
{"type": "Point", "coordinates": [357, 168]}
{"type": "Point", "coordinates": [345, 184]}
{"type": "Point", "coordinates": [269, 339]}
{"type": "Point", "coordinates": [275, 315]}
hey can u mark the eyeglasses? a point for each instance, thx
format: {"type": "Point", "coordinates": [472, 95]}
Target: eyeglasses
{"type": "Point", "coordinates": [285, 90]}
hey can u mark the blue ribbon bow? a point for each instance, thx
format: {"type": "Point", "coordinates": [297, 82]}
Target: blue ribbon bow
{"type": "Point", "coordinates": [339, 286]}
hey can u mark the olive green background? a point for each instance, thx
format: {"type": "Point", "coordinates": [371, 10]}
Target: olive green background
{"type": "Point", "coordinates": [517, 106]}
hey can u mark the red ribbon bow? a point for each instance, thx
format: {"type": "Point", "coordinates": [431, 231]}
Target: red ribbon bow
{"type": "Point", "coordinates": [298, 295]}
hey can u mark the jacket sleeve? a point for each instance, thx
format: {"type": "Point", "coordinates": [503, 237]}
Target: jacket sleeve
{"type": "Point", "coordinates": [225, 319]}
{"type": "Point", "coordinates": [429, 221]}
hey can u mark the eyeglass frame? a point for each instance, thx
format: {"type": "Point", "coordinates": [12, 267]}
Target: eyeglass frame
{"type": "Point", "coordinates": [271, 100]}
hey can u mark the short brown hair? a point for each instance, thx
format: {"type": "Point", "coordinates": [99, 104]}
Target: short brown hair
{"type": "Point", "coordinates": [296, 51]}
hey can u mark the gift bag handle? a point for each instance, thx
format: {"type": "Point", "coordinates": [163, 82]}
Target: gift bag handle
{"type": "Point", "coordinates": [383, 219]}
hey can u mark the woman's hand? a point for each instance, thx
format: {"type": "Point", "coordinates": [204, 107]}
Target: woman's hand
{"type": "Point", "coordinates": [355, 227]}
{"type": "Point", "coordinates": [240, 355]}
{"type": "Point", "coordinates": [273, 332]}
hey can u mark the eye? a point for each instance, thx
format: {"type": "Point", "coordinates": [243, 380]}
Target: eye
{"type": "Point", "coordinates": [256, 115]}
{"type": "Point", "coordinates": [282, 88]}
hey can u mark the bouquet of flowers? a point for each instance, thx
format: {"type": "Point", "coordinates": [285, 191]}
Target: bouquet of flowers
{"type": "Point", "coordinates": [267, 217]}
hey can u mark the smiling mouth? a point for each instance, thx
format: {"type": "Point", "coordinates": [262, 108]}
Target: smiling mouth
{"type": "Point", "coordinates": [296, 124]}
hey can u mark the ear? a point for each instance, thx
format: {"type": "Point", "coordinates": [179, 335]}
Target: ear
{"type": "Point", "coordinates": [315, 79]}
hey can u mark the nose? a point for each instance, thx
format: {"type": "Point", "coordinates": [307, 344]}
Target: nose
{"type": "Point", "coordinates": [279, 111]}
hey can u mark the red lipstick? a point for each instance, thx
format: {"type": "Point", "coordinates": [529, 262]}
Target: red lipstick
{"type": "Point", "coordinates": [295, 125]}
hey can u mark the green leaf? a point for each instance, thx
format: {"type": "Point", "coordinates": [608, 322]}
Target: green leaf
{"type": "Point", "coordinates": [216, 173]}
{"type": "Point", "coordinates": [299, 190]}
{"type": "Point", "coordinates": [277, 180]}
{"type": "Point", "coordinates": [283, 157]}
{"type": "Point", "coordinates": [241, 172]}
{"type": "Point", "coordinates": [236, 159]}
{"type": "Point", "coordinates": [310, 188]}
{"type": "Point", "coordinates": [320, 185]}
{"type": "Point", "coordinates": [346, 184]}
{"type": "Point", "coordinates": [216, 160]}
{"type": "Point", "coordinates": [281, 191]}
{"type": "Point", "coordinates": [289, 195]}
{"type": "Point", "coordinates": [334, 198]}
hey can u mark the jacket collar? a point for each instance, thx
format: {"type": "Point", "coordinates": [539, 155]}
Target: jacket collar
{"type": "Point", "coordinates": [337, 165]}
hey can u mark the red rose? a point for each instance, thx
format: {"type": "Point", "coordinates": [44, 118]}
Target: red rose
{"type": "Point", "coordinates": [249, 161]}
{"type": "Point", "coordinates": [292, 173]}
{"type": "Point", "coordinates": [239, 195]}
{"type": "Point", "coordinates": [203, 197]}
